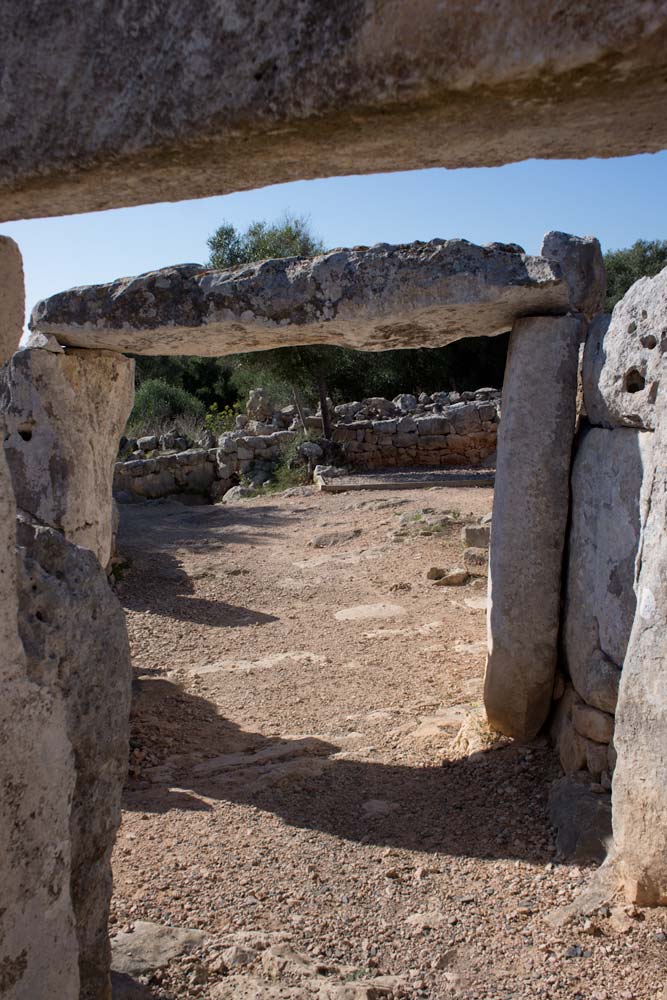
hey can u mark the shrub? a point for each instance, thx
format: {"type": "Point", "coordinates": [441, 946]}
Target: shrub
{"type": "Point", "coordinates": [157, 402]}
{"type": "Point", "coordinates": [220, 420]}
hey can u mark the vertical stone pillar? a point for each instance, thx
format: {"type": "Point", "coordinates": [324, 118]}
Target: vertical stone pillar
{"type": "Point", "coordinates": [38, 947]}
{"type": "Point", "coordinates": [65, 413]}
{"type": "Point", "coordinates": [639, 791]}
{"type": "Point", "coordinates": [529, 521]}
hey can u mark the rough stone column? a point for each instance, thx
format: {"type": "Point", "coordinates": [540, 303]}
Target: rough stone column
{"type": "Point", "coordinates": [65, 413]}
{"type": "Point", "coordinates": [38, 948]}
{"type": "Point", "coordinates": [639, 792]}
{"type": "Point", "coordinates": [75, 641]}
{"type": "Point", "coordinates": [529, 521]}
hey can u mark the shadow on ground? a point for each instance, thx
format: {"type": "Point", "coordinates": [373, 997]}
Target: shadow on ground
{"type": "Point", "coordinates": [493, 807]}
{"type": "Point", "coordinates": [152, 533]}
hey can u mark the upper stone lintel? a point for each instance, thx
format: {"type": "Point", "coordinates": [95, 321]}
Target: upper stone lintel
{"type": "Point", "coordinates": [377, 298]}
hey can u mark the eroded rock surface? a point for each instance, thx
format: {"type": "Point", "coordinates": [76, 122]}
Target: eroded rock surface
{"type": "Point", "coordinates": [640, 804]}
{"type": "Point", "coordinates": [411, 295]}
{"type": "Point", "coordinates": [529, 521]}
{"type": "Point", "coordinates": [253, 94]}
{"type": "Point", "coordinates": [624, 357]}
{"type": "Point", "coordinates": [74, 636]}
{"type": "Point", "coordinates": [38, 948]}
{"type": "Point", "coordinates": [12, 297]}
{"type": "Point", "coordinates": [606, 519]}
{"type": "Point", "coordinates": [582, 264]}
{"type": "Point", "coordinates": [64, 415]}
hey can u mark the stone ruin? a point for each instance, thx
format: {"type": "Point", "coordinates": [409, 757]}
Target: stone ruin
{"type": "Point", "coordinates": [445, 428]}
{"type": "Point", "coordinates": [318, 95]}
{"type": "Point", "coordinates": [591, 502]}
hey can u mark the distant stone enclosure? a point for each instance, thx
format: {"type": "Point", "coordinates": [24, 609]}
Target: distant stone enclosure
{"type": "Point", "coordinates": [457, 433]}
{"type": "Point", "coordinates": [370, 88]}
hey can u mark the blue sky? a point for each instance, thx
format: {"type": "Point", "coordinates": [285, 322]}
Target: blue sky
{"type": "Point", "coordinates": [617, 200]}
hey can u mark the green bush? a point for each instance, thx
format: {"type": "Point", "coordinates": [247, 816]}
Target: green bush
{"type": "Point", "coordinates": [218, 421]}
{"type": "Point", "coordinates": [156, 402]}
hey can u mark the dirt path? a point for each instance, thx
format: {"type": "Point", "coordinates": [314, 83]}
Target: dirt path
{"type": "Point", "coordinates": [296, 792]}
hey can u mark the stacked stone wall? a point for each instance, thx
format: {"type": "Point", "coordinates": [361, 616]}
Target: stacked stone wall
{"type": "Point", "coordinates": [461, 433]}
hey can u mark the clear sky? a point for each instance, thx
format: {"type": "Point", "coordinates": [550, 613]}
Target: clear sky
{"type": "Point", "coordinates": [617, 200]}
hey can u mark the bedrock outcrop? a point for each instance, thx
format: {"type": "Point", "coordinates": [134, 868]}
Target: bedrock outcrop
{"type": "Point", "coordinates": [530, 510]}
{"type": "Point", "coordinates": [77, 653]}
{"type": "Point", "coordinates": [64, 414]}
{"type": "Point", "coordinates": [377, 298]}
{"type": "Point", "coordinates": [245, 95]}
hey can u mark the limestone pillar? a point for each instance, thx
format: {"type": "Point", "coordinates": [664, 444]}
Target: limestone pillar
{"type": "Point", "coordinates": [65, 413]}
{"type": "Point", "coordinates": [38, 948]}
{"type": "Point", "coordinates": [529, 522]}
{"type": "Point", "coordinates": [639, 792]}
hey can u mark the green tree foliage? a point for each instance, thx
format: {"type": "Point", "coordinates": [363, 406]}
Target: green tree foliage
{"type": "Point", "coordinates": [465, 364]}
{"type": "Point", "coordinates": [289, 237]}
{"type": "Point", "coordinates": [645, 258]}
{"type": "Point", "coordinates": [157, 402]}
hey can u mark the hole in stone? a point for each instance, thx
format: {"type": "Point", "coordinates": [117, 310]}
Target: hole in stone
{"type": "Point", "coordinates": [632, 327]}
{"type": "Point", "coordinates": [25, 434]}
{"type": "Point", "coordinates": [644, 314]}
{"type": "Point", "coordinates": [649, 341]}
{"type": "Point", "coordinates": [634, 381]}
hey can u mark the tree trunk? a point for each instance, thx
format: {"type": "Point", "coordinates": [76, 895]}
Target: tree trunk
{"type": "Point", "coordinates": [324, 406]}
{"type": "Point", "coordinates": [299, 407]}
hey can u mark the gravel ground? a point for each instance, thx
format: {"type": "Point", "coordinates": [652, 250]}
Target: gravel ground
{"type": "Point", "coordinates": [298, 791]}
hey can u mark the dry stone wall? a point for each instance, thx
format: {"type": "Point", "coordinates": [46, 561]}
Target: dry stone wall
{"type": "Point", "coordinates": [453, 431]}
{"type": "Point", "coordinates": [435, 431]}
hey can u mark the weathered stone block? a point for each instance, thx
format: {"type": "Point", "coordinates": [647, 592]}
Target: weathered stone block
{"type": "Point", "coordinates": [12, 297]}
{"type": "Point", "coordinates": [624, 356]}
{"type": "Point", "coordinates": [476, 561]}
{"type": "Point", "coordinates": [476, 536]}
{"type": "Point", "coordinates": [607, 511]}
{"type": "Point", "coordinates": [74, 636]}
{"type": "Point", "coordinates": [592, 723]}
{"type": "Point", "coordinates": [65, 414]}
{"type": "Point", "coordinates": [432, 426]}
{"type": "Point", "coordinates": [581, 262]}
{"type": "Point", "coordinates": [529, 520]}
{"type": "Point", "coordinates": [640, 737]}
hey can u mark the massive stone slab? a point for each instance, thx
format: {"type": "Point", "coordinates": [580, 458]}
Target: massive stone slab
{"type": "Point", "coordinates": [608, 509]}
{"type": "Point", "coordinates": [530, 510]}
{"type": "Point", "coordinates": [624, 357]}
{"type": "Point", "coordinates": [412, 295]}
{"type": "Point", "coordinates": [184, 99]}
{"type": "Point", "coordinates": [640, 737]}
{"type": "Point", "coordinates": [75, 640]}
{"type": "Point", "coordinates": [65, 414]}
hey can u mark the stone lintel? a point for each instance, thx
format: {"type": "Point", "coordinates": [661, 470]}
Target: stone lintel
{"type": "Point", "coordinates": [377, 298]}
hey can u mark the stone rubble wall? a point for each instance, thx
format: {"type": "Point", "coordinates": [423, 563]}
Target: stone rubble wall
{"type": "Point", "coordinates": [459, 434]}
